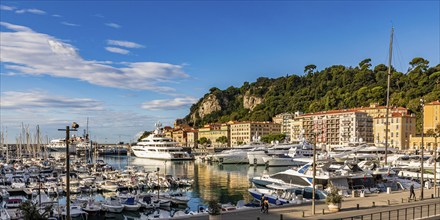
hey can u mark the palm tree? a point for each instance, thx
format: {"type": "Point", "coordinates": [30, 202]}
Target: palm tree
{"type": "Point", "coordinates": [31, 211]}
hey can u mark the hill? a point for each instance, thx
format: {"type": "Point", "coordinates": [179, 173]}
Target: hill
{"type": "Point", "coordinates": [335, 87]}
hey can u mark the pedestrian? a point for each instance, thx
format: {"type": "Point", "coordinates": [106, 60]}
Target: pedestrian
{"type": "Point", "coordinates": [411, 191]}
{"type": "Point", "coordinates": [262, 203]}
{"type": "Point", "coordinates": [266, 205]}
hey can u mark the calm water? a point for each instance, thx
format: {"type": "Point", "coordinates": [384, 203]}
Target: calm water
{"type": "Point", "coordinates": [227, 183]}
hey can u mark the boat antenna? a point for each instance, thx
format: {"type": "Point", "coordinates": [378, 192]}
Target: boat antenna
{"type": "Point", "coordinates": [388, 95]}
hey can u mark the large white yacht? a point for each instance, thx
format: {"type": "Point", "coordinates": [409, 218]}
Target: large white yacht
{"type": "Point", "coordinates": [157, 146]}
{"type": "Point", "coordinates": [59, 145]}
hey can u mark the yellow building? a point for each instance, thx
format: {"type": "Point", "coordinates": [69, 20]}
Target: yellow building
{"type": "Point", "coordinates": [375, 110]}
{"type": "Point", "coordinates": [400, 130]}
{"type": "Point", "coordinates": [296, 129]}
{"type": "Point", "coordinates": [431, 115]}
{"type": "Point", "coordinates": [242, 132]}
{"type": "Point", "coordinates": [191, 138]}
{"type": "Point", "coordinates": [213, 131]}
{"type": "Point", "coordinates": [428, 142]}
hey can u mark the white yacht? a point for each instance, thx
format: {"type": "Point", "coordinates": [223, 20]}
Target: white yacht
{"type": "Point", "coordinates": [157, 146]}
{"type": "Point", "coordinates": [59, 145]}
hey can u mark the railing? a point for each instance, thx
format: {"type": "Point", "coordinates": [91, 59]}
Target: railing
{"type": "Point", "coordinates": [429, 211]}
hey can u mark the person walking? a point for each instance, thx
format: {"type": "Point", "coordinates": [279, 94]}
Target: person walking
{"type": "Point", "coordinates": [411, 191]}
{"type": "Point", "coordinates": [262, 203]}
{"type": "Point", "coordinates": [266, 205]}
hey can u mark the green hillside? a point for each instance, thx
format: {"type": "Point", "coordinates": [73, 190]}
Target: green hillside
{"type": "Point", "coordinates": [335, 87]}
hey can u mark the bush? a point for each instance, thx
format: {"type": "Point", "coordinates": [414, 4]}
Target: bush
{"type": "Point", "coordinates": [333, 197]}
{"type": "Point", "coordinates": [214, 207]}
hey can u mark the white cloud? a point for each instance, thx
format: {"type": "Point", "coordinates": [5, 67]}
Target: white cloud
{"type": "Point", "coordinates": [31, 10]}
{"type": "Point", "coordinates": [32, 100]}
{"type": "Point", "coordinates": [127, 44]}
{"type": "Point", "coordinates": [27, 52]}
{"type": "Point", "coordinates": [117, 50]}
{"type": "Point", "coordinates": [113, 25]}
{"type": "Point", "coordinates": [169, 104]}
{"type": "Point", "coordinates": [7, 8]}
{"type": "Point", "coordinates": [57, 16]}
{"type": "Point", "coordinates": [70, 24]}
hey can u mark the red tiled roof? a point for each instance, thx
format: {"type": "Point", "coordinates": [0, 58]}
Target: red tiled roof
{"type": "Point", "coordinates": [436, 102]}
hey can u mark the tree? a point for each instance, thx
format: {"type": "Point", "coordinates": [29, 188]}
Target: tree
{"type": "Point", "coordinates": [144, 135]}
{"type": "Point", "coordinates": [273, 137]}
{"type": "Point", "coordinates": [223, 140]}
{"type": "Point", "coordinates": [365, 64]}
{"type": "Point", "coordinates": [309, 68]}
{"type": "Point", "coordinates": [31, 211]}
{"type": "Point", "coordinates": [204, 141]}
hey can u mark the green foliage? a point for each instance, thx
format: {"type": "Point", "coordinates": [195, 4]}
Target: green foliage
{"type": "Point", "coordinates": [214, 207]}
{"type": "Point", "coordinates": [144, 135]}
{"type": "Point", "coordinates": [273, 137]}
{"type": "Point", "coordinates": [333, 197]}
{"type": "Point", "coordinates": [204, 141]}
{"type": "Point", "coordinates": [335, 87]}
{"type": "Point", "coordinates": [31, 211]}
{"type": "Point", "coordinates": [222, 140]}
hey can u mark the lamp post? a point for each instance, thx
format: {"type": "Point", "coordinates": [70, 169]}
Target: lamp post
{"type": "Point", "coordinates": [435, 163]}
{"type": "Point", "coordinates": [68, 129]}
{"type": "Point", "coordinates": [422, 104]}
{"type": "Point", "coordinates": [314, 173]}
{"type": "Point", "coordinates": [158, 183]}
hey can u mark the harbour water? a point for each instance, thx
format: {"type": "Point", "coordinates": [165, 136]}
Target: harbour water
{"type": "Point", "coordinates": [226, 183]}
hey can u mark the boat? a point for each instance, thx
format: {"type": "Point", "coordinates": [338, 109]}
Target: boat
{"type": "Point", "coordinates": [157, 146]}
{"type": "Point", "coordinates": [112, 205]}
{"type": "Point", "coordinates": [59, 145]}
{"type": "Point", "coordinates": [131, 205]}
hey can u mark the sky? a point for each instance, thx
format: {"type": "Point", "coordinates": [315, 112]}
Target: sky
{"type": "Point", "coordinates": [124, 65]}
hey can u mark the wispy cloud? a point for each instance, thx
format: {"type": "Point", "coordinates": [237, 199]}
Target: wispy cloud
{"type": "Point", "coordinates": [56, 15]}
{"type": "Point", "coordinates": [7, 8]}
{"type": "Point", "coordinates": [70, 24]}
{"type": "Point", "coordinates": [31, 10]}
{"type": "Point", "coordinates": [169, 104]}
{"type": "Point", "coordinates": [127, 44]}
{"type": "Point", "coordinates": [18, 100]}
{"type": "Point", "coordinates": [117, 50]}
{"type": "Point", "coordinates": [113, 25]}
{"type": "Point", "coordinates": [27, 52]}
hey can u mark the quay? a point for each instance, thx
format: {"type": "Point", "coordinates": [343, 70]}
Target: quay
{"type": "Point", "coordinates": [383, 205]}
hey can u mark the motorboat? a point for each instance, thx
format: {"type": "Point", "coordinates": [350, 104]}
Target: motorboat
{"type": "Point", "coordinates": [112, 205]}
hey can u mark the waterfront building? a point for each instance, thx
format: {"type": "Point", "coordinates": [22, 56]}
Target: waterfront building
{"type": "Point", "coordinates": [431, 115]}
{"type": "Point", "coordinates": [214, 131]}
{"type": "Point", "coordinates": [375, 110]}
{"type": "Point", "coordinates": [192, 137]}
{"type": "Point", "coordinates": [415, 142]}
{"type": "Point", "coordinates": [401, 126]}
{"type": "Point", "coordinates": [286, 120]}
{"type": "Point", "coordinates": [242, 132]}
{"type": "Point", "coordinates": [296, 129]}
{"type": "Point", "coordinates": [337, 127]}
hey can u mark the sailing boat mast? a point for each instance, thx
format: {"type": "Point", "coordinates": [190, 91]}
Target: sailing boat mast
{"type": "Point", "coordinates": [388, 95]}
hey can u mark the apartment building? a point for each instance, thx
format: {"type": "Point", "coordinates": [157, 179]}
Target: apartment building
{"type": "Point", "coordinates": [337, 127]}
{"type": "Point", "coordinates": [401, 127]}
{"type": "Point", "coordinates": [431, 115]}
{"type": "Point", "coordinates": [242, 132]}
{"type": "Point", "coordinates": [286, 121]}
{"type": "Point", "coordinates": [192, 137]}
{"type": "Point", "coordinates": [213, 131]}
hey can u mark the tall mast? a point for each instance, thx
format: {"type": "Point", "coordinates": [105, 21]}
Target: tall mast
{"type": "Point", "coordinates": [388, 95]}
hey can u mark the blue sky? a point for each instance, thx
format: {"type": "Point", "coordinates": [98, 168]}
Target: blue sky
{"type": "Point", "coordinates": [128, 64]}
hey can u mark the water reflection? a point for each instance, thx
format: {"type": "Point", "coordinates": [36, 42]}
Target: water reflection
{"type": "Point", "coordinates": [227, 183]}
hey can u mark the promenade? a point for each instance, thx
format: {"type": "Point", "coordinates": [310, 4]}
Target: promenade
{"type": "Point", "coordinates": [382, 202]}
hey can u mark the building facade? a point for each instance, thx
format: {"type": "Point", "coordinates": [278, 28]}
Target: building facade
{"type": "Point", "coordinates": [214, 131]}
{"type": "Point", "coordinates": [401, 127]}
{"type": "Point", "coordinates": [192, 137]}
{"type": "Point", "coordinates": [242, 132]}
{"type": "Point", "coordinates": [431, 116]}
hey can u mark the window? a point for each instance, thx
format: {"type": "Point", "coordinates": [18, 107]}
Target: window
{"type": "Point", "coordinates": [397, 134]}
{"type": "Point", "coordinates": [391, 134]}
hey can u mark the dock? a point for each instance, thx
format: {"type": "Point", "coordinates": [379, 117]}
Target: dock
{"type": "Point", "coordinates": [383, 204]}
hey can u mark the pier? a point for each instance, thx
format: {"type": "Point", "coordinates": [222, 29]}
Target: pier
{"type": "Point", "coordinates": [373, 206]}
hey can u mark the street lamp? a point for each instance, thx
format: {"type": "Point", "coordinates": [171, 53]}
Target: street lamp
{"type": "Point", "coordinates": [314, 172]}
{"type": "Point", "coordinates": [68, 129]}
{"type": "Point", "coordinates": [422, 104]}
{"type": "Point", "coordinates": [158, 183]}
